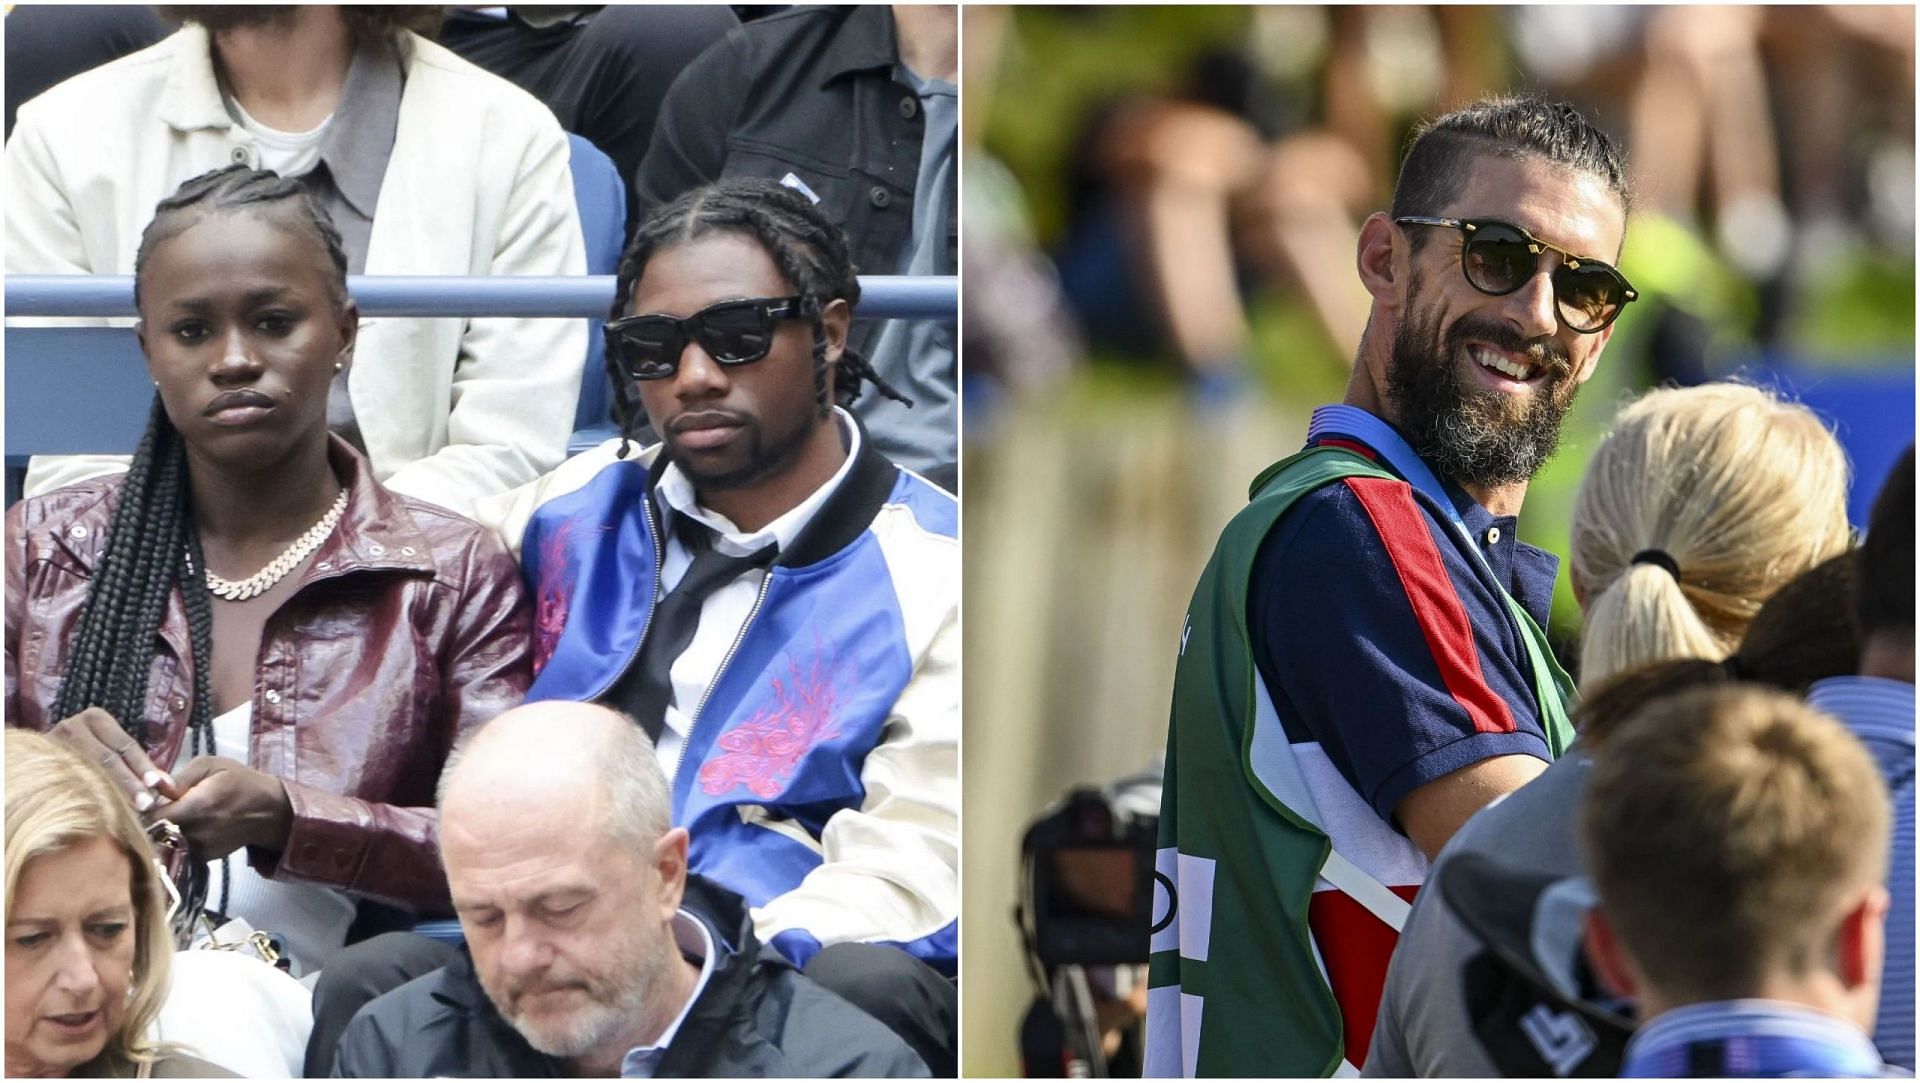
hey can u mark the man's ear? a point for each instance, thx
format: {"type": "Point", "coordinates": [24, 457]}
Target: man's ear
{"type": "Point", "coordinates": [835, 320]}
{"type": "Point", "coordinates": [1860, 941]}
{"type": "Point", "coordinates": [670, 864]}
{"type": "Point", "coordinates": [1608, 957]}
{"type": "Point", "coordinates": [1382, 260]}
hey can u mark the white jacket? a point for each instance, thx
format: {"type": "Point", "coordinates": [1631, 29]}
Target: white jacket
{"type": "Point", "coordinates": [478, 184]}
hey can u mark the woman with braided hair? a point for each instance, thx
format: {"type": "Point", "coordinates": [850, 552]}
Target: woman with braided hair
{"type": "Point", "coordinates": [253, 638]}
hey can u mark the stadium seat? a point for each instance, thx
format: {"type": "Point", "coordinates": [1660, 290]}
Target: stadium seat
{"type": "Point", "coordinates": [602, 197]}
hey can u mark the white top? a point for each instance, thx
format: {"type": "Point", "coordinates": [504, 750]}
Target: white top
{"type": "Point", "coordinates": [290, 154]}
{"type": "Point", "coordinates": [727, 608]}
{"type": "Point", "coordinates": [310, 920]}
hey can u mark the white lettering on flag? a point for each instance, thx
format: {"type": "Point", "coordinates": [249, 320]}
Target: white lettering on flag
{"type": "Point", "coordinates": [1190, 1009]}
{"type": "Point", "coordinates": [1193, 884]}
{"type": "Point", "coordinates": [1166, 1041]}
{"type": "Point", "coordinates": [1166, 915]}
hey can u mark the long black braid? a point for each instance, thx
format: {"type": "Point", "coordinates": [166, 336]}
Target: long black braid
{"type": "Point", "coordinates": [809, 249]}
{"type": "Point", "coordinates": [152, 543]}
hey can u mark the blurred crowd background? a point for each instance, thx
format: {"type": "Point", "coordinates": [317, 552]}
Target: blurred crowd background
{"type": "Point", "coordinates": [1161, 205]}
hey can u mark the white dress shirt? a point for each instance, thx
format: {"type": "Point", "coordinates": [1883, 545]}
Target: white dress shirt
{"type": "Point", "coordinates": [726, 610]}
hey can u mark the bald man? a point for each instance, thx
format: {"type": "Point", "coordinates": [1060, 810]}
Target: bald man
{"type": "Point", "coordinates": [591, 951]}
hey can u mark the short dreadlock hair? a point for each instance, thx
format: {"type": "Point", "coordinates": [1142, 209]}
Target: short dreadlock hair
{"type": "Point", "coordinates": [810, 250]}
{"type": "Point", "coordinates": [152, 542]}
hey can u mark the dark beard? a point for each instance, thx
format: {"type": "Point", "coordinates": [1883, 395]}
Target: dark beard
{"type": "Point", "coordinates": [1473, 435]}
{"type": "Point", "coordinates": [762, 460]}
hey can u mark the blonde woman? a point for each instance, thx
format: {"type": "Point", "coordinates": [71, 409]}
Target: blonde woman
{"type": "Point", "coordinates": [88, 948]}
{"type": "Point", "coordinates": [1699, 504]}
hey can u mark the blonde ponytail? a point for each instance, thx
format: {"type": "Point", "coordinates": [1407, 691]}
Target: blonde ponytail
{"type": "Point", "coordinates": [1740, 490]}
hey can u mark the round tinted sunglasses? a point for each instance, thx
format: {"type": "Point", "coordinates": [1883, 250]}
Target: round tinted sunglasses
{"type": "Point", "coordinates": [731, 332]}
{"type": "Point", "coordinates": [1499, 257]}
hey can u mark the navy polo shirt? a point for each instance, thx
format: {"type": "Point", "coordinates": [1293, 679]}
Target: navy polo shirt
{"type": "Point", "coordinates": [1383, 640]}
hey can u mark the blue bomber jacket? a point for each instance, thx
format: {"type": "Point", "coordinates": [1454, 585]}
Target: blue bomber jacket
{"type": "Point", "coordinates": [820, 777]}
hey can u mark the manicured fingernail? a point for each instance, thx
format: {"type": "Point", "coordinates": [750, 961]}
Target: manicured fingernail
{"type": "Point", "coordinates": [143, 802]}
{"type": "Point", "coordinates": [155, 778]}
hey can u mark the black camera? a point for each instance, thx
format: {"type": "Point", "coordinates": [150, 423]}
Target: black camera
{"type": "Point", "coordinates": [1088, 876]}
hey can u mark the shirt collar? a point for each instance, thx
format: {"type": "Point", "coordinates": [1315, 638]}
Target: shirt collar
{"type": "Point", "coordinates": [1848, 1049]}
{"type": "Point", "coordinates": [1345, 423]}
{"type": "Point", "coordinates": [691, 936]}
{"type": "Point", "coordinates": [1876, 707]}
{"type": "Point", "coordinates": [863, 42]}
{"type": "Point", "coordinates": [360, 140]}
{"type": "Point", "coordinates": [675, 492]}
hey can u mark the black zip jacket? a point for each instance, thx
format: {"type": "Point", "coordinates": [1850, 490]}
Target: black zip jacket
{"type": "Point", "coordinates": [757, 1016]}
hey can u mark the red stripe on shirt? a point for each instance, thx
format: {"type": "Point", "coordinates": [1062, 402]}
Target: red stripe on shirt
{"type": "Point", "coordinates": [1334, 441]}
{"type": "Point", "coordinates": [1438, 610]}
{"type": "Point", "coordinates": [1356, 947]}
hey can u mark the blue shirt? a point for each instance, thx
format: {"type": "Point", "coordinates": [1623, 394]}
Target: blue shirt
{"type": "Point", "coordinates": [1880, 713]}
{"type": "Point", "coordinates": [1383, 638]}
{"type": "Point", "coordinates": [1750, 1039]}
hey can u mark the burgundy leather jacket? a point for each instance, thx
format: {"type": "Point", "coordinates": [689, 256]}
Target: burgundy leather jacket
{"type": "Point", "coordinates": [410, 625]}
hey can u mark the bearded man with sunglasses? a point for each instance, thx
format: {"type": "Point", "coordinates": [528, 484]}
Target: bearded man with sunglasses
{"type": "Point", "coordinates": [770, 598]}
{"type": "Point", "coordinates": [1363, 665]}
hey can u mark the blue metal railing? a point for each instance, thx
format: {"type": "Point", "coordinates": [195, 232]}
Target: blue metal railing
{"type": "Point", "coordinates": [882, 296]}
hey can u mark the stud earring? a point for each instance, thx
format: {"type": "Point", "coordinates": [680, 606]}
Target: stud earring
{"type": "Point", "coordinates": [338, 366]}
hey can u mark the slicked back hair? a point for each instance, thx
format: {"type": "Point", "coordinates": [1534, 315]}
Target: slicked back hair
{"type": "Point", "coordinates": [1443, 150]}
{"type": "Point", "coordinates": [810, 251]}
{"type": "Point", "coordinates": [152, 542]}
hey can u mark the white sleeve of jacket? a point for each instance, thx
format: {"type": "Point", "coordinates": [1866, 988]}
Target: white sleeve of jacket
{"type": "Point", "coordinates": [516, 381]}
{"type": "Point", "coordinates": [43, 236]}
{"type": "Point", "coordinates": [890, 869]}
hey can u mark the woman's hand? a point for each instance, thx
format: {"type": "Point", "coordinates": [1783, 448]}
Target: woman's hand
{"type": "Point", "coordinates": [225, 805]}
{"type": "Point", "coordinates": [95, 735]}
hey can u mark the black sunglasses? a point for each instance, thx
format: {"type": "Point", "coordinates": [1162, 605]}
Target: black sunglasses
{"type": "Point", "coordinates": [1499, 257]}
{"type": "Point", "coordinates": [731, 332]}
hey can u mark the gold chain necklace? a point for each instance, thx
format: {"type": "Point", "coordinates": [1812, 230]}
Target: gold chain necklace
{"type": "Point", "coordinates": [239, 590]}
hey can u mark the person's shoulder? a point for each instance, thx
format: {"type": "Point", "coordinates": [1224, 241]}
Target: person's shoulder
{"type": "Point", "coordinates": [82, 509]}
{"type": "Point", "coordinates": [186, 1066]}
{"type": "Point", "coordinates": [407, 1030]}
{"type": "Point", "coordinates": [136, 77]}
{"type": "Point", "coordinates": [477, 91]}
{"type": "Point", "coordinates": [932, 508]}
{"type": "Point", "coordinates": [821, 1035]}
{"type": "Point", "coordinates": [768, 34]}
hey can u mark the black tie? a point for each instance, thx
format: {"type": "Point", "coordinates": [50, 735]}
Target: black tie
{"type": "Point", "coordinates": [646, 689]}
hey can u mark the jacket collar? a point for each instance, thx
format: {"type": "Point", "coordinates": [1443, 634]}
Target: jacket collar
{"type": "Point", "coordinates": [864, 42]}
{"type": "Point", "coordinates": [355, 149]}
{"type": "Point", "coordinates": [191, 97]}
{"type": "Point", "coordinates": [842, 519]}
{"type": "Point", "coordinates": [377, 533]}
{"type": "Point", "coordinates": [711, 1017]}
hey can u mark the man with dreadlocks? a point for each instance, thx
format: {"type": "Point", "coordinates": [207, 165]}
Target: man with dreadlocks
{"type": "Point", "coordinates": [773, 600]}
{"type": "Point", "coordinates": [248, 633]}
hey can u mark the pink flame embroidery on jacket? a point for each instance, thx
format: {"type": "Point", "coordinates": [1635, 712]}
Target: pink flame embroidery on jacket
{"type": "Point", "coordinates": [763, 752]}
{"type": "Point", "coordinates": [555, 594]}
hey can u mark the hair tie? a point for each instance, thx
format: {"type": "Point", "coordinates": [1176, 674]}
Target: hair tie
{"type": "Point", "coordinates": [1660, 557]}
